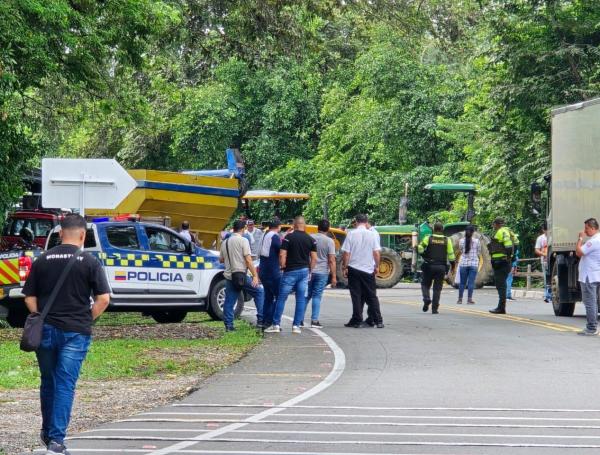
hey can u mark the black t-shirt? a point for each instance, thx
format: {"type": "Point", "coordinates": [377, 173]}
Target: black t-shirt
{"type": "Point", "coordinates": [71, 310]}
{"type": "Point", "coordinates": [298, 245]}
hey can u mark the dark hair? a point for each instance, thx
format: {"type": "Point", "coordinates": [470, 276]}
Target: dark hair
{"type": "Point", "coordinates": [438, 227]}
{"type": "Point", "coordinates": [323, 226]}
{"type": "Point", "coordinates": [468, 237]}
{"type": "Point", "coordinates": [238, 225]}
{"type": "Point", "coordinates": [360, 218]}
{"type": "Point", "coordinates": [73, 221]}
{"type": "Point", "coordinates": [274, 223]}
{"type": "Point", "coordinates": [592, 222]}
{"type": "Point", "coordinates": [185, 225]}
{"type": "Point", "coordinates": [545, 226]}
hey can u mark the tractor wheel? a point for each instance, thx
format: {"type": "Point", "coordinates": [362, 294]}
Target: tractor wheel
{"type": "Point", "coordinates": [485, 273]}
{"type": "Point", "coordinates": [390, 269]}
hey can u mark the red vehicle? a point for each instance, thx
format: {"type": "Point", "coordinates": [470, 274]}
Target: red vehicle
{"type": "Point", "coordinates": [39, 222]}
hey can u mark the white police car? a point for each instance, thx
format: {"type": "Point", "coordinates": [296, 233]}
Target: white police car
{"type": "Point", "coordinates": [153, 270]}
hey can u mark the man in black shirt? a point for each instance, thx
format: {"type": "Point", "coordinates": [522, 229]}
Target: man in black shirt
{"type": "Point", "coordinates": [68, 325]}
{"type": "Point", "coordinates": [298, 256]}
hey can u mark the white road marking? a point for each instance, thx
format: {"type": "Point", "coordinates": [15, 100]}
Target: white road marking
{"type": "Point", "coordinates": [336, 372]}
{"type": "Point", "coordinates": [382, 408]}
{"type": "Point", "coordinates": [383, 416]}
{"type": "Point", "coordinates": [342, 433]}
{"type": "Point", "coordinates": [236, 452]}
{"type": "Point", "coordinates": [387, 424]}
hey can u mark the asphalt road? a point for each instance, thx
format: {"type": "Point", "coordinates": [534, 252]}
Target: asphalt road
{"type": "Point", "coordinates": [461, 382]}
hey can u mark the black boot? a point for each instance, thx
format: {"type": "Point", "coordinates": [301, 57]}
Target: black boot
{"type": "Point", "coordinates": [426, 306]}
{"type": "Point", "coordinates": [500, 309]}
{"type": "Point", "coordinates": [434, 309]}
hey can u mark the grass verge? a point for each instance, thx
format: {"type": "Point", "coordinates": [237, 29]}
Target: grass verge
{"type": "Point", "coordinates": [127, 357]}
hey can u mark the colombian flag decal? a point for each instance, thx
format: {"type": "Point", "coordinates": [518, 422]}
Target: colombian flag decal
{"type": "Point", "coordinates": [120, 276]}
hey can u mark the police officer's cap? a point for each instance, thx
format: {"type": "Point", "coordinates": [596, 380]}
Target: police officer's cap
{"type": "Point", "coordinates": [499, 221]}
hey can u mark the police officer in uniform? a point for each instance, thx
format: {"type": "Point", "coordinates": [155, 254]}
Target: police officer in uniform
{"type": "Point", "coordinates": [501, 250]}
{"type": "Point", "coordinates": [436, 251]}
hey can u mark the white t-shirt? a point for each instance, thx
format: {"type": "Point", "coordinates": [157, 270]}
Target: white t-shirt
{"type": "Point", "coordinates": [541, 243]}
{"type": "Point", "coordinates": [361, 243]}
{"type": "Point", "coordinates": [589, 263]}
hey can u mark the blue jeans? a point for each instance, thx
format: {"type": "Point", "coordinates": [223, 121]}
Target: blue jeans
{"type": "Point", "coordinates": [316, 286]}
{"type": "Point", "coordinates": [467, 278]}
{"type": "Point", "coordinates": [547, 287]}
{"type": "Point", "coordinates": [509, 280]}
{"type": "Point", "coordinates": [232, 295]}
{"type": "Point", "coordinates": [296, 280]}
{"type": "Point", "coordinates": [271, 285]}
{"type": "Point", "coordinates": [59, 357]}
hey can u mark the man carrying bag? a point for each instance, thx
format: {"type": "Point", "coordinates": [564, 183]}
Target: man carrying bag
{"type": "Point", "coordinates": [60, 285]}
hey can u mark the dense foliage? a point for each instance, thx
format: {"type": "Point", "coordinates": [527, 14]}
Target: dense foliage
{"type": "Point", "coordinates": [348, 100]}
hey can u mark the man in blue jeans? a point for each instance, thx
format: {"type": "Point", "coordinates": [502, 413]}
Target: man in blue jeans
{"type": "Point", "coordinates": [324, 268]}
{"type": "Point", "coordinates": [236, 255]}
{"type": "Point", "coordinates": [67, 327]}
{"type": "Point", "coordinates": [297, 258]}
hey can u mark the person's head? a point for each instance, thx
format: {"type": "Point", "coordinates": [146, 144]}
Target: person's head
{"type": "Point", "coordinates": [323, 226]}
{"type": "Point", "coordinates": [299, 223]}
{"type": "Point", "coordinates": [250, 225]}
{"type": "Point", "coordinates": [438, 227]}
{"type": "Point", "coordinates": [239, 225]}
{"type": "Point", "coordinates": [72, 230]}
{"type": "Point", "coordinates": [361, 219]}
{"type": "Point", "coordinates": [498, 223]}
{"type": "Point", "coordinates": [275, 225]}
{"type": "Point", "coordinates": [469, 230]}
{"type": "Point", "coordinates": [591, 226]}
{"type": "Point", "coordinates": [185, 226]}
{"type": "Point", "coordinates": [545, 227]}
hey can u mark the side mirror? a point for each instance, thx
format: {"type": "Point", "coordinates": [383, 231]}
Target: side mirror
{"type": "Point", "coordinates": [536, 198]}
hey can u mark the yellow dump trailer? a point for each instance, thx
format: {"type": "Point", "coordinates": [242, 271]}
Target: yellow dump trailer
{"type": "Point", "coordinates": [206, 202]}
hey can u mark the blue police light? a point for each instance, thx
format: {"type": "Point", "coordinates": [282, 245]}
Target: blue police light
{"type": "Point", "coordinates": [100, 219]}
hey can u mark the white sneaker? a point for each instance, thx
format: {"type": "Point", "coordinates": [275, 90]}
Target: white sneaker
{"type": "Point", "coordinates": [296, 329]}
{"type": "Point", "coordinates": [273, 329]}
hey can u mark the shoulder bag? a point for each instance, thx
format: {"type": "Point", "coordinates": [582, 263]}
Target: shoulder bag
{"type": "Point", "coordinates": [34, 324]}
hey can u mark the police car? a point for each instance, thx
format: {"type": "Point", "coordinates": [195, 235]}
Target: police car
{"type": "Point", "coordinates": [153, 270]}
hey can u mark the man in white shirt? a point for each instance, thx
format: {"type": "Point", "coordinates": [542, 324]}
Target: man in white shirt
{"type": "Point", "coordinates": [255, 238]}
{"type": "Point", "coordinates": [541, 250]}
{"type": "Point", "coordinates": [589, 273]}
{"type": "Point", "coordinates": [361, 255]}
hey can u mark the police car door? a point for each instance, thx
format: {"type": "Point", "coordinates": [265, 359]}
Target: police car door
{"type": "Point", "coordinates": [173, 271]}
{"type": "Point", "coordinates": [123, 259]}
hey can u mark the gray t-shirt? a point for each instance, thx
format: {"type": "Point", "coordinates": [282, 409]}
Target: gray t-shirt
{"type": "Point", "coordinates": [234, 251]}
{"type": "Point", "coordinates": [325, 247]}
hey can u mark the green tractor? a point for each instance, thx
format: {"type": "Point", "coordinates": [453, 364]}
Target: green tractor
{"type": "Point", "coordinates": [399, 242]}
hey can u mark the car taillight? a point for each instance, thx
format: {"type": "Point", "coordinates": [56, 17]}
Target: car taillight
{"type": "Point", "coordinates": [24, 267]}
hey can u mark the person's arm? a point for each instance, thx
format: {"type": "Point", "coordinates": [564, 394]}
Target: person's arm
{"type": "Point", "coordinates": [508, 243]}
{"type": "Point", "coordinates": [250, 266]}
{"type": "Point", "coordinates": [313, 260]}
{"type": "Point", "coordinates": [345, 261]}
{"type": "Point", "coordinates": [579, 251]}
{"type": "Point", "coordinates": [423, 245]}
{"type": "Point", "coordinates": [377, 259]}
{"type": "Point", "coordinates": [100, 305]}
{"type": "Point", "coordinates": [282, 258]}
{"type": "Point", "coordinates": [538, 249]}
{"type": "Point", "coordinates": [450, 251]}
{"type": "Point", "coordinates": [31, 303]}
{"type": "Point", "coordinates": [221, 255]}
{"type": "Point", "coordinates": [332, 270]}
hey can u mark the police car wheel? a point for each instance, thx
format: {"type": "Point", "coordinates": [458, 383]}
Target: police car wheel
{"type": "Point", "coordinates": [170, 316]}
{"type": "Point", "coordinates": [217, 300]}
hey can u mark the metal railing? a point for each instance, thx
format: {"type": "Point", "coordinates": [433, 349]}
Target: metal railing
{"type": "Point", "coordinates": [531, 269]}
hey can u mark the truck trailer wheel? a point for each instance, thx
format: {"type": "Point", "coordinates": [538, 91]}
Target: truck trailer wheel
{"type": "Point", "coordinates": [560, 307]}
{"type": "Point", "coordinates": [169, 316]}
{"type": "Point", "coordinates": [390, 269]}
{"type": "Point", "coordinates": [485, 271]}
{"type": "Point", "coordinates": [216, 300]}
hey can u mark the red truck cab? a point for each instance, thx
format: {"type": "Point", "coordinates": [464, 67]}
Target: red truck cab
{"type": "Point", "coordinates": [40, 222]}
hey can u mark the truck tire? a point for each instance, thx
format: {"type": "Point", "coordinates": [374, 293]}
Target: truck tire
{"type": "Point", "coordinates": [216, 300]}
{"type": "Point", "coordinates": [390, 269]}
{"type": "Point", "coordinates": [168, 316]}
{"type": "Point", "coordinates": [485, 272]}
{"type": "Point", "coordinates": [560, 307]}
{"type": "Point", "coordinates": [342, 281]}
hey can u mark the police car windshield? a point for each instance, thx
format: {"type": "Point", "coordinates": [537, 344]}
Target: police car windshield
{"type": "Point", "coordinates": [90, 240]}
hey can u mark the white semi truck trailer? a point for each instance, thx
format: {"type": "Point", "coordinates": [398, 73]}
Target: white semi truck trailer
{"type": "Point", "coordinates": [574, 195]}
